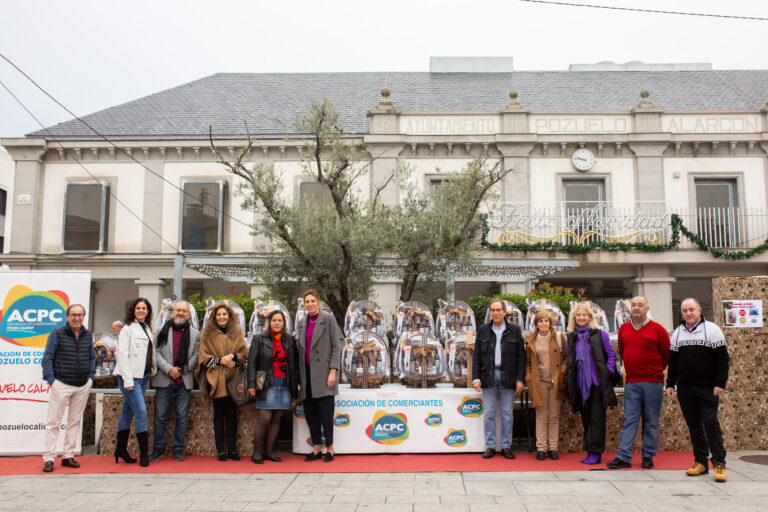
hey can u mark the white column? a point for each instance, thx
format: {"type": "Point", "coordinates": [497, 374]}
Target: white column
{"type": "Point", "coordinates": [154, 291]}
{"type": "Point", "coordinates": [520, 287]}
{"type": "Point", "coordinates": [258, 289]}
{"type": "Point", "coordinates": [386, 296]}
{"type": "Point", "coordinates": [654, 282]}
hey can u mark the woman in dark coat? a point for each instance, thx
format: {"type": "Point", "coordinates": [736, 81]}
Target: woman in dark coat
{"type": "Point", "coordinates": [274, 353]}
{"type": "Point", "coordinates": [591, 365]}
{"type": "Point", "coordinates": [319, 361]}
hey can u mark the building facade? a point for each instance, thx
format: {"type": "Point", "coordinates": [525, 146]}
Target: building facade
{"type": "Point", "coordinates": [597, 155]}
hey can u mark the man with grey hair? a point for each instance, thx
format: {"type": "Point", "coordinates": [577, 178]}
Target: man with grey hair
{"type": "Point", "coordinates": [176, 352]}
{"type": "Point", "coordinates": [117, 326]}
{"type": "Point", "coordinates": [69, 365]}
{"type": "Point", "coordinates": [698, 366]}
{"type": "Point", "coordinates": [499, 371]}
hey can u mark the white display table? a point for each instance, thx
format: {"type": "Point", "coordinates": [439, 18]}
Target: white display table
{"type": "Point", "coordinates": [397, 419]}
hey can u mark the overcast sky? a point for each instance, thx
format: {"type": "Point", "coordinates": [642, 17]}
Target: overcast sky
{"type": "Point", "coordinates": [95, 54]}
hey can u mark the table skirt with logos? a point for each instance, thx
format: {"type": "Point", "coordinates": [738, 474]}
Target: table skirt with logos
{"type": "Point", "coordinates": [397, 419]}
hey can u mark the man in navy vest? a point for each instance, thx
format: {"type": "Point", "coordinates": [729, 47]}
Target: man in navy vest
{"type": "Point", "coordinates": [69, 364]}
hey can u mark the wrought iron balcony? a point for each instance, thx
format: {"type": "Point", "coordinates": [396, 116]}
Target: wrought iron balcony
{"type": "Point", "coordinates": [641, 222]}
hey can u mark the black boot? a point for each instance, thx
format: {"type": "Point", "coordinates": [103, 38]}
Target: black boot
{"type": "Point", "coordinates": [143, 440]}
{"type": "Point", "coordinates": [121, 447]}
{"type": "Point", "coordinates": [272, 431]}
{"type": "Point", "coordinates": [258, 442]}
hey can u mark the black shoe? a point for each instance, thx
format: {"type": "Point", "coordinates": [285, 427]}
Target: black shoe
{"type": "Point", "coordinates": [618, 463]}
{"type": "Point", "coordinates": [177, 455]}
{"type": "Point", "coordinates": [647, 462]}
{"type": "Point", "coordinates": [507, 453]}
{"type": "Point", "coordinates": [222, 456]}
{"type": "Point", "coordinates": [48, 466]}
{"type": "Point", "coordinates": [70, 463]}
{"type": "Point", "coordinates": [553, 455]}
{"type": "Point", "coordinates": [256, 460]}
{"type": "Point", "coordinates": [328, 457]}
{"type": "Point", "coordinates": [540, 455]}
{"type": "Point", "coordinates": [272, 457]}
{"type": "Point", "coordinates": [489, 452]}
{"type": "Point", "coordinates": [234, 455]}
{"type": "Point", "coordinates": [313, 456]}
{"type": "Point", "coordinates": [156, 455]}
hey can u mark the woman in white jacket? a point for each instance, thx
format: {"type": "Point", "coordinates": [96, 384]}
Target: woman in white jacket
{"type": "Point", "coordinates": [135, 365]}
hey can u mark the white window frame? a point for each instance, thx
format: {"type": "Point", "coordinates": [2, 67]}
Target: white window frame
{"type": "Point", "coordinates": [103, 218]}
{"type": "Point", "coordinates": [222, 184]}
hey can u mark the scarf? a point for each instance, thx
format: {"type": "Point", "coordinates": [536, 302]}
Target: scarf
{"type": "Point", "coordinates": [585, 364]}
{"type": "Point", "coordinates": [182, 357]}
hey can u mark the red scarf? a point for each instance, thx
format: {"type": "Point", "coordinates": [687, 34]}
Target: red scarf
{"type": "Point", "coordinates": [278, 352]}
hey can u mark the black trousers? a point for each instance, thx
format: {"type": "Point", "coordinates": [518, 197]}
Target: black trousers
{"type": "Point", "coordinates": [699, 406]}
{"type": "Point", "coordinates": [319, 415]}
{"type": "Point", "coordinates": [225, 424]}
{"type": "Point", "coordinates": [593, 421]}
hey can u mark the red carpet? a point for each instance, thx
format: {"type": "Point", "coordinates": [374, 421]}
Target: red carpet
{"type": "Point", "coordinates": [419, 463]}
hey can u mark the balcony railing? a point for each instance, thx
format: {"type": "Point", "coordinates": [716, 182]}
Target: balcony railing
{"type": "Point", "coordinates": [642, 222]}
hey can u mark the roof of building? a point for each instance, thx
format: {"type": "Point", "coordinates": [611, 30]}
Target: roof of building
{"type": "Point", "coordinates": [270, 102]}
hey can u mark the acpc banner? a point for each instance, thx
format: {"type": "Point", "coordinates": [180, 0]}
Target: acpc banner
{"type": "Point", "coordinates": [33, 304]}
{"type": "Point", "coordinates": [395, 419]}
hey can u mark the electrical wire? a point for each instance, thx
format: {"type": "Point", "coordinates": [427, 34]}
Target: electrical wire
{"type": "Point", "coordinates": [652, 11]}
{"type": "Point", "coordinates": [112, 194]}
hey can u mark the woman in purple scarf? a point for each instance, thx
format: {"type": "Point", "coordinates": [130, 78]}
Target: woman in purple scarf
{"type": "Point", "coordinates": [591, 363]}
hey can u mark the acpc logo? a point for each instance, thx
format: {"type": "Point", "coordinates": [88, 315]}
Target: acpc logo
{"type": "Point", "coordinates": [341, 420]}
{"type": "Point", "coordinates": [455, 438]}
{"type": "Point", "coordinates": [434, 419]}
{"type": "Point", "coordinates": [388, 428]}
{"type": "Point", "coordinates": [29, 316]}
{"type": "Point", "coordinates": [471, 407]}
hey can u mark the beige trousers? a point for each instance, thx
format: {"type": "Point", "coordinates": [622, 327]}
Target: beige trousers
{"type": "Point", "coordinates": [61, 394]}
{"type": "Point", "coordinates": [548, 419]}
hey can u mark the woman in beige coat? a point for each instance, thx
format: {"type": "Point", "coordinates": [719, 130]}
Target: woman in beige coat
{"type": "Point", "coordinates": [545, 374]}
{"type": "Point", "coordinates": [222, 348]}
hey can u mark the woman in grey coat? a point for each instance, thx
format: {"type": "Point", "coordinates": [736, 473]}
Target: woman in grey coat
{"type": "Point", "coordinates": [320, 355]}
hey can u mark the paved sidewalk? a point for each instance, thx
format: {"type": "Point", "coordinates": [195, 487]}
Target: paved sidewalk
{"type": "Point", "coordinates": [546, 491]}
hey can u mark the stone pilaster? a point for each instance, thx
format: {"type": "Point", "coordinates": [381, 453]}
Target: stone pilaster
{"type": "Point", "coordinates": [27, 200]}
{"type": "Point", "coordinates": [654, 282]}
{"type": "Point", "coordinates": [153, 290]}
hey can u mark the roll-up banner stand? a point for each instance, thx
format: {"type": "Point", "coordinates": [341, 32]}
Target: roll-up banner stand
{"type": "Point", "coordinates": [33, 305]}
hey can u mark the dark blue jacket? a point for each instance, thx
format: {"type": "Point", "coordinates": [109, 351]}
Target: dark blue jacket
{"type": "Point", "coordinates": [68, 359]}
{"type": "Point", "coordinates": [512, 356]}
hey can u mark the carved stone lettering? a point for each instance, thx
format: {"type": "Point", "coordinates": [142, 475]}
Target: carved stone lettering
{"type": "Point", "coordinates": [546, 124]}
{"type": "Point", "coordinates": [711, 124]}
{"type": "Point", "coordinates": [449, 125]}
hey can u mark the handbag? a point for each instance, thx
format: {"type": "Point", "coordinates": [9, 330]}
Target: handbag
{"type": "Point", "coordinates": [237, 385]}
{"type": "Point", "coordinates": [617, 378]}
{"type": "Point", "coordinates": [261, 377]}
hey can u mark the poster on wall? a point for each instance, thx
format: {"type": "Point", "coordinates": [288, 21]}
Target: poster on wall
{"type": "Point", "coordinates": [742, 313]}
{"type": "Point", "coordinates": [394, 419]}
{"type": "Point", "coordinates": [33, 304]}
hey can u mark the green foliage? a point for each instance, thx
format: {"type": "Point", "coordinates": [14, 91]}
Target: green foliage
{"type": "Point", "coordinates": [559, 295]}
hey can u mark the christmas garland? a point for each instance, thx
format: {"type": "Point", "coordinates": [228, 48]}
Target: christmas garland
{"type": "Point", "coordinates": [677, 228]}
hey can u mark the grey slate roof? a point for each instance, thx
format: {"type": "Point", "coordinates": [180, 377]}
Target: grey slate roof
{"type": "Point", "coordinates": [270, 102]}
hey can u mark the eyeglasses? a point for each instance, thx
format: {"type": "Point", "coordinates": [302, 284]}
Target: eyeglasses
{"type": "Point", "coordinates": [76, 315]}
{"type": "Point", "coordinates": [494, 310]}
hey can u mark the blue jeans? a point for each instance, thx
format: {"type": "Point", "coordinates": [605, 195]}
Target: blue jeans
{"type": "Point", "coordinates": [641, 400]}
{"type": "Point", "coordinates": [494, 398]}
{"type": "Point", "coordinates": [133, 405]}
{"type": "Point", "coordinates": [163, 397]}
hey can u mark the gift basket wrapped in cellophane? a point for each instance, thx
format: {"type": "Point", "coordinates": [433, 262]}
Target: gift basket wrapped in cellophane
{"type": "Point", "coordinates": [105, 345]}
{"type": "Point", "coordinates": [261, 311]}
{"type": "Point", "coordinates": [458, 353]}
{"type": "Point", "coordinates": [413, 317]}
{"type": "Point", "coordinates": [598, 311]}
{"type": "Point", "coordinates": [365, 360]}
{"type": "Point", "coordinates": [511, 311]}
{"type": "Point", "coordinates": [420, 360]}
{"type": "Point", "coordinates": [301, 313]}
{"type": "Point", "coordinates": [239, 313]}
{"type": "Point", "coordinates": [454, 317]}
{"type": "Point", "coordinates": [365, 315]}
{"type": "Point", "coordinates": [534, 306]}
{"type": "Point", "coordinates": [166, 313]}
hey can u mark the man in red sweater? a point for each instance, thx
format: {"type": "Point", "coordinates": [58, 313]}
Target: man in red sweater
{"type": "Point", "coordinates": [644, 348]}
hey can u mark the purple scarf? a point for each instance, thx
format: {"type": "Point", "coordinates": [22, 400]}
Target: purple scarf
{"type": "Point", "coordinates": [311, 320]}
{"type": "Point", "coordinates": [585, 364]}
